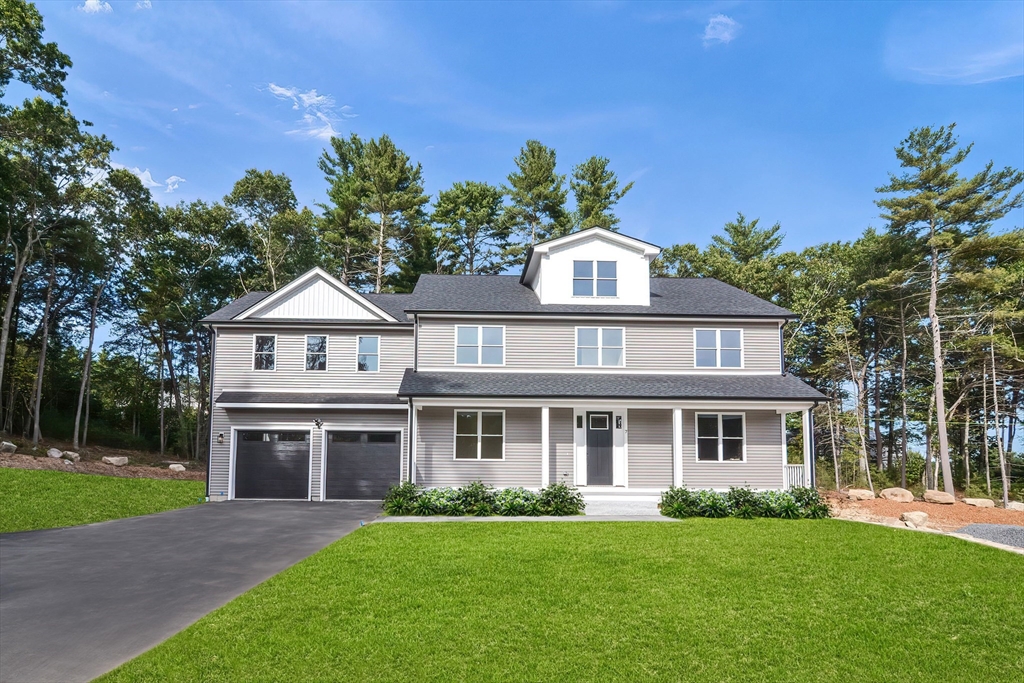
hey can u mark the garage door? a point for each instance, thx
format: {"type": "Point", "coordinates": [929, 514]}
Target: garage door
{"type": "Point", "coordinates": [272, 465]}
{"type": "Point", "coordinates": [362, 465]}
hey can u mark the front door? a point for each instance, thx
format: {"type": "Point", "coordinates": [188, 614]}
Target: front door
{"type": "Point", "coordinates": [599, 449]}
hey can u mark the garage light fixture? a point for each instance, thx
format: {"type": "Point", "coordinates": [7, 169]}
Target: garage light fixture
{"type": "Point", "coordinates": [220, 437]}
{"type": "Point", "coordinates": [318, 422]}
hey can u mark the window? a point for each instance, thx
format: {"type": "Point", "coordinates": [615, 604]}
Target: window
{"type": "Point", "coordinates": [719, 437]}
{"type": "Point", "coordinates": [479, 345]}
{"type": "Point", "coordinates": [599, 422]}
{"type": "Point", "coordinates": [479, 435]}
{"type": "Point", "coordinates": [599, 346]}
{"type": "Point", "coordinates": [584, 282]}
{"type": "Point", "coordinates": [382, 437]}
{"type": "Point", "coordinates": [369, 354]}
{"type": "Point", "coordinates": [316, 352]}
{"type": "Point", "coordinates": [719, 348]}
{"type": "Point", "coordinates": [264, 347]}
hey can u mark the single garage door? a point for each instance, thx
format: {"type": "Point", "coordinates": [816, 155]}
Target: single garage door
{"type": "Point", "coordinates": [362, 465]}
{"type": "Point", "coordinates": [272, 465]}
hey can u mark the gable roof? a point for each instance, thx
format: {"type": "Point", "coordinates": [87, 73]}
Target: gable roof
{"type": "Point", "coordinates": [242, 303]}
{"type": "Point", "coordinates": [530, 267]}
{"type": "Point", "coordinates": [349, 301]}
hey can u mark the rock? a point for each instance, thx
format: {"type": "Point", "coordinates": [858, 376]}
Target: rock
{"type": "Point", "coordinates": [68, 463]}
{"type": "Point", "coordinates": [897, 494]}
{"type": "Point", "coordinates": [115, 460]}
{"type": "Point", "coordinates": [940, 497]}
{"type": "Point", "coordinates": [54, 453]}
{"type": "Point", "coordinates": [860, 494]}
{"type": "Point", "coordinates": [1014, 505]}
{"type": "Point", "coordinates": [71, 455]}
{"type": "Point", "coordinates": [7, 447]}
{"type": "Point", "coordinates": [177, 468]}
{"type": "Point", "coordinates": [980, 502]}
{"type": "Point", "coordinates": [915, 518]}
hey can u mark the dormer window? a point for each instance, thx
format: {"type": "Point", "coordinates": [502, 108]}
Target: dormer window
{"type": "Point", "coordinates": [594, 278]}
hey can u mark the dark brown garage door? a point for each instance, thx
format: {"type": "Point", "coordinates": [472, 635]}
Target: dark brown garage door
{"type": "Point", "coordinates": [272, 465]}
{"type": "Point", "coordinates": [362, 465]}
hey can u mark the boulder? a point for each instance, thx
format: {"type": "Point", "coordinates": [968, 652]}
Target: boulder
{"type": "Point", "coordinates": [71, 455]}
{"type": "Point", "coordinates": [897, 494]}
{"type": "Point", "coordinates": [54, 453]}
{"type": "Point", "coordinates": [1014, 505]}
{"type": "Point", "coordinates": [7, 447]}
{"type": "Point", "coordinates": [914, 518]}
{"type": "Point", "coordinates": [115, 460]}
{"type": "Point", "coordinates": [980, 502]}
{"type": "Point", "coordinates": [860, 494]}
{"type": "Point", "coordinates": [940, 497]}
{"type": "Point", "coordinates": [177, 468]}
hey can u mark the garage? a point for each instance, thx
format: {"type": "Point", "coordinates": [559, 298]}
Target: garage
{"type": "Point", "coordinates": [272, 465]}
{"type": "Point", "coordinates": [362, 465]}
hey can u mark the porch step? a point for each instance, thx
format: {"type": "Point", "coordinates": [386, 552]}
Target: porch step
{"type": "Point", "coordinates": [623, 506]}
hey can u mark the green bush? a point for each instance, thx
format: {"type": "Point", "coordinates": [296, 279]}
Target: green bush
{"type": "Point", "coordinates": [679, 502]}
{"type": "Point", "coordinates": [744, 503]}
{"type": "Point", "coordinates": [401, 498]}
{"type": "Point", "coordinates": [712, 504]}
{"type": "Point", "coordinates": [517, 502]}
{"type": "Point", "coordinates": [476, 498]}
{"type": "Point", "coordinates": [561, 500]}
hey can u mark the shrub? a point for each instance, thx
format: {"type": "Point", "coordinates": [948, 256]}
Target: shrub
{"type": "Point", "coordinates": [744, 503]}
{"type": "Point", "coordinates": [476, 498]}
{"type": "Point", "coordinates": [818, 511]}
{"type": "Point", "coordinates": [517, 501]}
{"type": "Point", "coordinates": [401, 498]}
{"type": "Point", "coordinates": [679, 502]}
{"type": "Point", "coordinates": [712, 504]}
{"type": "Point", "coordinates": [561, 500]}
{"type": "Point", "coordinates": [805, 497]}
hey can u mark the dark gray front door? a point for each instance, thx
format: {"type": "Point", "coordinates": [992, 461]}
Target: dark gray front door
{"type": "Point", "coordinates": [272, 465]}
{"type": "Point", "coordinates": [599, 449]}
{"type": "Point", "coordinates": [362, 465]}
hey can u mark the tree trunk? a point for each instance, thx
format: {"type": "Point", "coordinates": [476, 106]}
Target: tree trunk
{"type": "Point", "coordinates": [85, 425]}
{"type": "Point", "coordinates": [87, 365]}
{"type": "Point", "coordinates": [940, 397]}
{"type": "Point", "coordinates": [380, 256]}
{"type": "Point", "coordinates": [20, 261]}
{"type": "Point", "coordinates": [160, 399]}
{"type": "Point", "coordinates": [832, 436]}
{"type": "Point", "coordinates": [965, 451]}
{"type": "Point", "coordinates": [903, 398]}
{"type": "Point", "coordinates": [37, 397]}
{"type": "Point", "coordinates": [878, 409]}
{"type": "Point", "coordinates": [984, 427]}
{"type": "Point", "coordinates": [1003, 474]}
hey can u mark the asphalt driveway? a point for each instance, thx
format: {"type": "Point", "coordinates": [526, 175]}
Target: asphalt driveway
{"type": "Point", "coordinates": [77, 602]}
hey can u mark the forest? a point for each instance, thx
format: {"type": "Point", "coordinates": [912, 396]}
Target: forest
{"type": "Point", "coordinates": [913, 330]}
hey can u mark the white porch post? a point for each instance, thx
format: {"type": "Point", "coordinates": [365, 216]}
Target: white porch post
{"type": "Point", "coordinates": [808, 456]}
{"type": "Point", "coordinates": [412, 443]}
{"type": "Point", "coordinates": [545, 446]}
{"type": "Point", "coordinates": [677, 446]}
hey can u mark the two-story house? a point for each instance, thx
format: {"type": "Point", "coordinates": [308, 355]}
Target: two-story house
{"type": "Point", "coordinates": [583, 369]}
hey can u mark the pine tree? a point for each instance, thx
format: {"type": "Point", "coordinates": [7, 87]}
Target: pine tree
{"type": "Point", "coordinates": [596, 189]}
{"type": "Point", "coordinates": [537, 196]}
{"type": "Point", "coordinates": [471, 232]}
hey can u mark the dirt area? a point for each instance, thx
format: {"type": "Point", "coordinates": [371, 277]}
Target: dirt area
{"type": "Point", "coordinates": [140, 463]}
{"type": "Point", "coordinates": [941, 517]}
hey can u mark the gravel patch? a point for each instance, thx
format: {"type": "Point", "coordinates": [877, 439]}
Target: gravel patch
{"type": "Point", "coordinates": [29, 462]}
{"type": "Point", "coordinates": [1007, 534]}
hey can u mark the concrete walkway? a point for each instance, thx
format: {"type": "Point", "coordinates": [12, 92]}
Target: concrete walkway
{"type": "Point", "coordinates": [77, 602]}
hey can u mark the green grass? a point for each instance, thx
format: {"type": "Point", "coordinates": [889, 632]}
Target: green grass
{"type": "Point", "coordinates": [44, 499]}
{"type": "Point", "coordinates": [699, 600]}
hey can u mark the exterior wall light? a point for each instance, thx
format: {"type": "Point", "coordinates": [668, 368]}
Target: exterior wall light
{"type": "Point", "coordinates": [220, 437]}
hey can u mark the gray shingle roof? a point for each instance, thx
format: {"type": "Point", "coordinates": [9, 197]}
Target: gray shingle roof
{"type": "Point", "coordinates": [236, 307]}
{"type": "Point", "coordinates": [393, 304]}
{"type": "Point", "coordinates": [505, 294]}
{"type": "Point", "coordinates": [607, 385]}
{"type": "Point", "coordinates": [256, 397]}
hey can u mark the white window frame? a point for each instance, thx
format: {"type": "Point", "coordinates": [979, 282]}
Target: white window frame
{"type": "Point", "coordinates": [368, 336]}
{"type": "Point", "coordinates": [696, 436]}
{"type": "Point", "coordinates": [718, 348]}
{"type": "Point", "coordinates": [600, 346]}
{"type": "Point", "coordinates": [479, 347]}
{"type": "Point", "coordinates": [305, 357]}
{"type": "Point", "coordinates": [594, 278]}
{"type": "Point", "coordinates": [254, 368]}
{"type": "Point", "coordinates": [479, 434]}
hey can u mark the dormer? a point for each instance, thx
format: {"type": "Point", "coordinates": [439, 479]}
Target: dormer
{"type": "Point", "coordinates": [593, 267]}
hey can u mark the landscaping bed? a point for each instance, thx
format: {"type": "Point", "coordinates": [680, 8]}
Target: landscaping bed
{"type": "Point", "coordinates": [941, 517]}
{"type": "Point", "coordinates": [90, 466]}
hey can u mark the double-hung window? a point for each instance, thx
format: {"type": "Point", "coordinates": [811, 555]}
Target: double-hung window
{"type": "Point", "coordinates": [368, 352]}
{"type": "Point", "coordinates": [600, 346]}
{"type": "Point", "coordinates": [479, 435]}
{"type": "Point", "coordinates": [718, 348]}
{"type": "Point", "coordinates": [594, 278]}
{"type": "Point", "coordinates": [479, 345]}
{"type": "Point", "coordinates": [316, 352]}
{"type": "Point", "coordinates": [264, 348]}
{"type": "Point", "coordinates": [719, 437]}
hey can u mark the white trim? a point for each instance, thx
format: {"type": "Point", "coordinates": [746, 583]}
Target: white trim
{"type": "Point", "coordinates": [479, 434]}
{"type": "Point", "coordinates": [413, 438]}
{"type": "Point", "coordinates": [301, 280]}
{"type": "Point", "coordinates": [356, 428]}
{"type": "Point", "coordinates": [271, 427]}
{"type": "Point", "coordinates": [696, 437]}
{"type": "Point", "coordinates": [594, 279]}
{"type": "Point", "coordinates": [647, 250]}
{"type": "Point", "coordinates": [704, 405]}
{"type": "Point", "coordinates": [677, 446]}
{"type": "Point", "coordinates": [479, 365]}
{"type": "Point", "coordinates": [718, 350]}
{"type": "Point", "coordinates": [545, 446]}
{"type": "Point", "coordinates": [600, 346]}
{"type": "Point", "coordinates": [640, 317]}
{"type": "Point", "coordinates": [253, 365]}
{"type": "Point", "coordinates": [305, 353]}
{"type": "Point", "coordinates": [313, 406]}
{"type": "Point", "coordinates": [805, 416]}
{"type": "Point", "coordinates": [378, 354]}
{"type": "Point", "coordinates": [610, 369]}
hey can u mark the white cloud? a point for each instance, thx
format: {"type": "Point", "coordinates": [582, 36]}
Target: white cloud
{"type": "Point", "coordinates": [144, 175]}
{"type": "Point", "coordinates": [144, 4]}
{"type": "Point", "coordinates": [95, 7]}
{"type": "Point", "coordinates": [173, 182]}
{"type": "Point", "coordinates": [194, 106]}
{"type": "Point", "coordinates": [319, 112]}
{"type": "Point", "coordinates": [720, 29]}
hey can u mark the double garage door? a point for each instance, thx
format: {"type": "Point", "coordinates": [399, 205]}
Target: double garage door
{"type": "Point", "coordinates": [359, 465]}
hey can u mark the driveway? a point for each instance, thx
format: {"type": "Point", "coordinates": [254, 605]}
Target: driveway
{"type": "Point", "coordinates": [77, 602]}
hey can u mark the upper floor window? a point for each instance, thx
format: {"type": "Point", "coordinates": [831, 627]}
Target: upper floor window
{"type": "Point", "coordinates": [264, 351]}
{"type": "Point", "coordinates": [594, 278]}
{"type": "Point", "coordinates": [599, 346]}
{"type": "Point", "coordinates": [368, 354]}
{"type": "Point", "coordinates": [719, 348]}
{"type": "Point", "coordinates": [316, 352]}
{"type": "Point", "coordinates": [719, 437]}
{"type": "Point", "coordinates": [479, 345]}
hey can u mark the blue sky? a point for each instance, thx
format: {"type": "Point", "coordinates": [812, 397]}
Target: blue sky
{"type": "Point", "coordinates": [785, 111]}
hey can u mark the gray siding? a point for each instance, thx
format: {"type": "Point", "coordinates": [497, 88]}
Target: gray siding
{"type": "Point", "coordinates": [649, 458]}
{"type": "Point", "coordinates": [765, 455]}
{"type": "Point", "coordinates": [550, 345]}
{"type": "Point", "coordinates": [299, 420]}
{"type": "Point", "coordinates": [561, 446]}
{"type": "Point", "coordinates": [435, 451]}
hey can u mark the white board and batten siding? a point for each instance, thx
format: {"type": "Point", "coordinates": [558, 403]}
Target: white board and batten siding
{"type": "Point", "coordinates": [550, 345]}
{"type": "Point", "coordinates": [318, 299]}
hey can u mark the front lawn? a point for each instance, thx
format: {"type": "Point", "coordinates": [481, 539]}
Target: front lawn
{"type": "Point", "coordinates": [699, 600]}
{"type": "Point", "coordinates": [43, 499]}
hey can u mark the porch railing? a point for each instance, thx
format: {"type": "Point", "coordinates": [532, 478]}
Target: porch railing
{"type": "Point", "coordinates": [794, 476]}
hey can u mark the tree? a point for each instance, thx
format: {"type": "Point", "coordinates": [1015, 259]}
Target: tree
{"type": "Point", "coordinates": [934, 205]}
{"type": "Point", "coordinates": [537, 195]}
{"type": "Point", "coordinates": [471, 231]}
{"type": "Point", "coordinates": [344, 230]}
{"type": "Point", "coordinates": [596, 189]}
{"type": "Point", "coordinates": [23, 54]}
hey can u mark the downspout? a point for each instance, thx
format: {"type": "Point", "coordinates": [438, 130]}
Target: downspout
{"type": "Point", "coordinates": [213, 364]}
{"type": "Point", "coordinates": [782, 348]}
{"type": "Point", "coordinates": [415, 342]}
{"type": "Point", "coordinates": [814, 466]}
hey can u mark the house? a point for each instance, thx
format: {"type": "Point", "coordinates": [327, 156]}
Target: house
{"type": "Point", "coordinates": [582, 369]}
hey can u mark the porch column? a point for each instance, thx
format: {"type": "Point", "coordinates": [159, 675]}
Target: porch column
{"type": "Point", "coordinates": [677, 446]}
{"type": "Point", "coordinates": [545, 446]}
{"type": "Point", "coordinates": [412, 442]}
{"type": "Point", "coordinates": [808, 435]}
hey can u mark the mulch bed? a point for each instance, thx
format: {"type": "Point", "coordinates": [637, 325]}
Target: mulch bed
{"type": "Point", "coordinates": [944, 517]}
{"type": "Point", "coordinates": [32, 462]}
